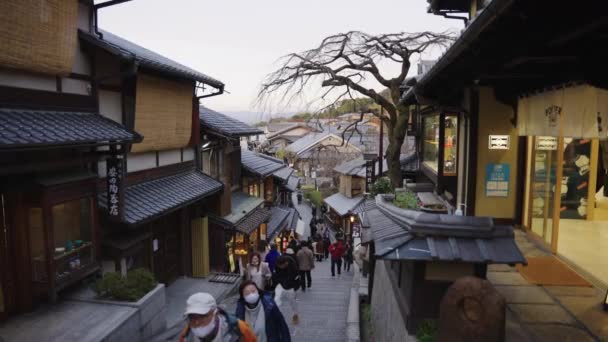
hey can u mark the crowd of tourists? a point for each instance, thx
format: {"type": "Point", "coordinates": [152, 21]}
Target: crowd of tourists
{"type": "Point", "coordinates": [271, 280]}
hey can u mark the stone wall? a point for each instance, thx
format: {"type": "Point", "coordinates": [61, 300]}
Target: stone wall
{"type": "Point", "coordinates": [387, 321]}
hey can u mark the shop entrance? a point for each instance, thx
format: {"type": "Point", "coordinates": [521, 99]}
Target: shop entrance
{"type": "Point", "coordinates": [567, 208]}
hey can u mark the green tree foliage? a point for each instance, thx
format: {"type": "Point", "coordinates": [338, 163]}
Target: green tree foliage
{"type": "Point", "coordinates": [381, 186]}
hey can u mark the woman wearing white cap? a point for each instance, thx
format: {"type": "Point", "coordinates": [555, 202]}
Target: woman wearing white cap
{"type": "Point", "coordinates": [208, 323]}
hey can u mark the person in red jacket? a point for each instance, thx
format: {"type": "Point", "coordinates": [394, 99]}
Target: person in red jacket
{"type": "Point", "coordinates": [336, 250]}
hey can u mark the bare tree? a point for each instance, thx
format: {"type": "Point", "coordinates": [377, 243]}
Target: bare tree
{"type": "Point", "coordinates": [342, 63]}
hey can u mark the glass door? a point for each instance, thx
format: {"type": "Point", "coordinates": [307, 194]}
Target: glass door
{"type": "Point", "coordinates": [545, 188]}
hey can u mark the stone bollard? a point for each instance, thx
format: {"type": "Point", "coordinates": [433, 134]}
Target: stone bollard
{"type": "Point", "coordinates": [472, 310]}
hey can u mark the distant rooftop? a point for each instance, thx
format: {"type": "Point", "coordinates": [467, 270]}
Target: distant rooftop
{"type": "Point", "coordinates": [225, 125]}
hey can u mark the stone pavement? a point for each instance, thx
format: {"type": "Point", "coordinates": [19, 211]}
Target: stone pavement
{"type": "Point", "coordinates": [323, 308]}
{"type": "Point", "coordinates": [548, 313]}
{"type": "Point", "coordinates": [305, 213]}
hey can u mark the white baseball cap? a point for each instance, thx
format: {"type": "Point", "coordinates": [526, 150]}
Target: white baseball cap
{"type": "Point", "coordinates": [289, 251]}
{"type": "Point", "coordinates": [200, 303]}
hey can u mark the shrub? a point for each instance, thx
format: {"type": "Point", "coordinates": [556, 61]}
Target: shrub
{"type": "Point", "coordinates": [406, 200]}
{"type": "Point", "coordinates": [131, 288]}
{"type": "Point", "coordinates": [314, 197]}
{"type": "Point", "coordinates": [427, 331]}
{"type": "Point", "coordinates": [381, 186]}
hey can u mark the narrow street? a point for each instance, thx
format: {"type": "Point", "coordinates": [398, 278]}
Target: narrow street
{"type": "Point", "coordinates": [323, 308]}
{"type": "Point", "coordinates": [305, 212]}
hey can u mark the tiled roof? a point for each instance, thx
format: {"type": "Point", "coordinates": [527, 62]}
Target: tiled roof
{"type": "Point", "coordinates": [252, 221]}
{"type": "Point", "coordinates": [148, 200]}
{"type": "Point", "coordinates": [260, 164]}
{"type": "Point", "coordinates": [22, 128]}
{"type": "Point", "coordinates": [242, 204]}
{"type": "Point", "coordinates": [356, 167]}
{"type": "Point", "coordinates": [293, 218]}
{"type": "Point", "coordinates": [293, 182]}
{"type": "Point", "coordinates": [310, 140]}
{"type": "Point", "coordinates": [284, 173]}
{"type": "Point", "coordinates": [342, 204]}
{"type": "Point", "coordinates": [146, 58]}
{"type": "Point", "coordinates": [225, 125]}
{"type": "Point", "coordinates": [400, 234]}
{"type": "Point", "coordinates": [278, 221]}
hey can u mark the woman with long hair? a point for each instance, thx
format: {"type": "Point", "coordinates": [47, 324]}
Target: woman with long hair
{"type": "Point", "coordinates": [259, 310]}
{"type": "Point", "coordinates": [257, 271]}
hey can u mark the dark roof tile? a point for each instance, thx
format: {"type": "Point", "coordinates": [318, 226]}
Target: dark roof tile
{"type": "Point", "coordinates": [119, 46]}
{"type": "Point", "coordinates": [147, 200]}
{"type": "Point", "coordinates": [225, 125]}
{"type": "Point", "coordinates": [260, 164]}
{"type": "Point", "coordinates": [22, 128]}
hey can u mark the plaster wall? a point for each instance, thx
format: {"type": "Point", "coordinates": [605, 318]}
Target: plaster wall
{"type": "Point", "coordinates": [385, 304]}
{"type": "Point", "coordinates": [169, 157]}
{"type": "Point", "coordinates": [110, 105]}
{"type": "Point", "coordinates": [141, 161]}
{"type": "Point", "coordinates": [495, 118]}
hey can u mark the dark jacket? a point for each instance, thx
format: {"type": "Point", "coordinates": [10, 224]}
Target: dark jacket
{"type": "Point", "coordinates": [271, 259]}
{"type": "Point", "coordinates": [288, 277]}
{"type": "Point", "coordinates": [276, 327]}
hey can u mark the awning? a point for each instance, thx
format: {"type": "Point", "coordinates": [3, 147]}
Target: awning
{"type": "Point", "coordinates": [579, 112]}
{"type": "Point", "coordinates": [252, 221]}
{"type": "Point", "coordinates": [146, 201]}
{"type": "Point", "coordinates": [22, 128]}
{"type": "Point", "coordinates": [342, 204]}
{"type": "Point", "coordinates": [292, 183]}
{"type": "Point", "coordinates": [278, 221]}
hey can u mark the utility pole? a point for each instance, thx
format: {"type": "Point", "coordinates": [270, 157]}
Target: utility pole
{"type": "Point", "coordinates": [381, 143]}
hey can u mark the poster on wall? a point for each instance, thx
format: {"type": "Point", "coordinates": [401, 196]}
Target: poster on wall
{"type": "Point", "coordinates": [497, 180]}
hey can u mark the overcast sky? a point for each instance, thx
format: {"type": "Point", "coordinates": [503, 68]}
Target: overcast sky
{"type": "Point", "coordinates": [239, 42]}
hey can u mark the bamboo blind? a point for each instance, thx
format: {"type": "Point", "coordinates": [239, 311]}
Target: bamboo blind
{"type": "Point", "coordinates": [38, 35]}
{"type": "Point", "coordinates": [200, 247]}
{"type": "Point", "coordinates": [163, 113]}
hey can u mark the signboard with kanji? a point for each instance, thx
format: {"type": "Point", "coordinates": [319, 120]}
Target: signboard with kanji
{"type": "Point", "coordinates": [114, 167]}
{"type": "Point", "coordinates": [370, 173]}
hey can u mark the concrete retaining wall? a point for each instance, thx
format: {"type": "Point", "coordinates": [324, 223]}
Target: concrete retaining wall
{"type": "Point", "coordinates": [387, 321]}
{"type": "Point", "coordinates": [149, 320]}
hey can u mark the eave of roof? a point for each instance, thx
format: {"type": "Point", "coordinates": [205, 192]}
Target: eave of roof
{"type": "Point", "coordinates": [224, 125]}
{"type": "Point", "coordinates": [260, 164]}
{"type": "Point", "coordinates": [127, 50]}
{"type": "Point", "coordinates": [31, 129]}
{"type": "Point", "coordinates": [151, 199]}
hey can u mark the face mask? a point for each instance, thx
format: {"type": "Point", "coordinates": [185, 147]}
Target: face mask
{"type": "Point", "coordinates": [203, 331]}
{"type": "Point", "coordinates": [252, 298]}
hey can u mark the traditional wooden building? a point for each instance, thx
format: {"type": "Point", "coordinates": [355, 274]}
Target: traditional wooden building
{"type": "Point", "coordinates": [515, 128]}
{"type": "Point", "coordinates": [52, 137]}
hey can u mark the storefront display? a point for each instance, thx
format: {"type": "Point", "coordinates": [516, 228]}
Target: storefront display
{"type": "Point", "coordinates": [440, 141]}
{"type": "Point", "coordinates": [430, 156]}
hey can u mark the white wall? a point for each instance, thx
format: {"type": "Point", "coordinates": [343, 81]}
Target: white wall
{"type": "Point", "coordinates": [21, 79]}
{"type": "Point", "coordinates": [141, 161]}
{"type": "Point", "coordinates": [188, 153]}
{"type": "Point", "coordinates": [110, 105]}
{"type": "Point", "coordinates": [74, 86]}
{"type": "Point", "coordinates": [169, 157]}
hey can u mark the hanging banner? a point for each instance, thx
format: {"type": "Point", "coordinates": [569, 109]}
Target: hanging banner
{"type": "Point", "coordinates": [114, 179]}
{"type": "Point", "coordinates": [579, 111]}
{"type": "Point", "coordinates": [370, 172]}
{"type": "Point", "coordinates": [497, 180]}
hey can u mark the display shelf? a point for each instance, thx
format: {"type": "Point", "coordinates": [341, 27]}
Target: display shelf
{"type": "Point", "coordinates": [73, 252]}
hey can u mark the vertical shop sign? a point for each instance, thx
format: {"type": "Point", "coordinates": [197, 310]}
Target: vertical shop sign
{"type": "Point", "coordinates": [114, 168]}
{"type": "Point", "coordinates": [497, 180]}
{"type": "Point", "coordinates": [370, 172]}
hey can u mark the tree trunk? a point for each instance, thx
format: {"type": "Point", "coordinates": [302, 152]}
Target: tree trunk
{"type": "Point", "coordinates": [396, 136]}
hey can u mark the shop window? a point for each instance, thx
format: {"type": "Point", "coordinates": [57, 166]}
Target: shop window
{"type": "Point", "coordinates": [451, 145]}
{"type": "Point", "coordinates": [430, 157]}
{"type": "Point", "coordinates": [72, 231]}
{"type": "Point", "coordinates": [253, 190]}
{"type": "Point", "coordinates": [440, 134]}
{"type": "Point", "coordinates": [37, 248]}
